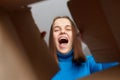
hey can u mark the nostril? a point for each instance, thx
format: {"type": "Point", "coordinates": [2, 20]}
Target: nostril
{"type": "Point", "coordinates": [62, 33]}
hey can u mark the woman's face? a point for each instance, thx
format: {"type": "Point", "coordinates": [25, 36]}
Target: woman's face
{"type": "Point", "coordinates": [62, 34]}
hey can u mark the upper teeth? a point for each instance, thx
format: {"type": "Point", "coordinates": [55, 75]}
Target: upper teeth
{"type": "Point", "coordinates": [62, 38]}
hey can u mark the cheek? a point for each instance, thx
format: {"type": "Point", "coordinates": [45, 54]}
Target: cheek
{"type": "Point", "coordinates": [55, 36]}
{"type": "Point", "coordinates": [71, 36]}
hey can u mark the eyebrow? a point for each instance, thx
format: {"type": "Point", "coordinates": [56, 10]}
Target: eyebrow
{"type": "Point", "coordinates": [67, 26]}
{"type": "Point", "coordinates": [59, 26]}
{"type": "Point", "coordinates": [56, 27]}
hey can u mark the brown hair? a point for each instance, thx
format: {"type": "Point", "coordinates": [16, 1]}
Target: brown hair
{"type": "Point", "coordinates": [78, 55]}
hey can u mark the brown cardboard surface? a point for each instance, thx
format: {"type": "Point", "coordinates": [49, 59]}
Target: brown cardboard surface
{"type": "Point", "coordinates": [111, 9]}
{"type": "Point", "coordinates": [36, 48]}
{"type": "Point", "coordinates": [109, 74]}
{"type": "Point", "coordinates": [95, 29]}
{"type": "Point", "coordinates": [14, 4]}
{"type": "Point", "coordinates": [14, 64]}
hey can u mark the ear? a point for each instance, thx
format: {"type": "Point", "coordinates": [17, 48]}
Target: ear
{"type": "Point", "coordinates": [43, 34]}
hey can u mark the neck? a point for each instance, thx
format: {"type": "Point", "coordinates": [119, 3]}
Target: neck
{"type": "Point", "coordinates": [65, 57]}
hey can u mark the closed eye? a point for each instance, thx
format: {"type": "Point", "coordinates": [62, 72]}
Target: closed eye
{"type": "Point", "coordinates": [68, 29]}
{"type": "Point", "coordinates": [56, 29]}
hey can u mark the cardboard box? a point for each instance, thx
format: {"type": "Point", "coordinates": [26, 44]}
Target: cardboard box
{"type": "Point", "coordinates": [99, 25]}
{"type": "Point", "coordinates": [99, 28]}
{"type": "Point", "coordinates": [24, 55]}
{"type": "Point", "coordinates": [109, 74]}
{"type": "Point", "coordinates": [16, 4]}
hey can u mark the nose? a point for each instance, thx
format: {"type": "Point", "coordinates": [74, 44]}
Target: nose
{"type": "Point", "coordinates": [62, 31]}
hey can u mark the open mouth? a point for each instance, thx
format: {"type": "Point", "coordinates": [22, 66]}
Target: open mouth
{"type": "Point", "coordinates": [63, 40]}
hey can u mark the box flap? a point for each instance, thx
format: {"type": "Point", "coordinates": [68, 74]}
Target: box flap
{"type": "Point", "coordinates": [108, 74]}
{"type": "Point", "coordinates": [95, 29]}
{"type": "Point", "coordinates": [14, 64]}
{"type": "Point", "coordinates": [14, 4]}
{"type": "Point", "coordinates": [37, 50]}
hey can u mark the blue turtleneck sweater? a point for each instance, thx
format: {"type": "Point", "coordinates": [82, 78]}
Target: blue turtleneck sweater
{"type": "Point", "coordinates": [70, 71]}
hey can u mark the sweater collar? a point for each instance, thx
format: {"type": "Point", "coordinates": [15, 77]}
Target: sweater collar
{"type": "Point", "coordinates": [65, 57]}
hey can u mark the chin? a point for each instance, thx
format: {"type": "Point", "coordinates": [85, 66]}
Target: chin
{"type": "Point", "coordinates": [64, 51]}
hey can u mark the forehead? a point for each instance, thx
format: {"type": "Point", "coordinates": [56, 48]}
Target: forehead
{"type": "Point", "coordinates": [62, 22]}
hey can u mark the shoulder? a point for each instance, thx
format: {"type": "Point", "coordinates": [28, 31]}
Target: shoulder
{"type": "Point", "coordinates": [89, 57]}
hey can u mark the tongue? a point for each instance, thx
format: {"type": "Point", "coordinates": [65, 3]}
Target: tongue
{"type": "Point", "coordinates": [63, 45]}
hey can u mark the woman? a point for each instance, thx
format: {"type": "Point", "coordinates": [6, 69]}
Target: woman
{"type": "Point", "coordinates": [65, 46]}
